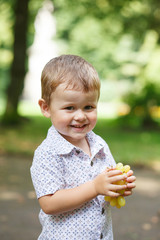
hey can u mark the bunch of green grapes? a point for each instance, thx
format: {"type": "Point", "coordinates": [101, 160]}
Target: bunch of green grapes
{"type": "Point", "coordinates": [119, 201]}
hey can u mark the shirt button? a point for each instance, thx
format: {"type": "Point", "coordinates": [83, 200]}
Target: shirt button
{"type": "Point", "coordinates": [101, 236]}
{"type": "Point", "coordinates": [78, 151]}
{"type": "Point", "coordinates": [103, 210]}
{"type": "Point", "coordinates": [91, 163]}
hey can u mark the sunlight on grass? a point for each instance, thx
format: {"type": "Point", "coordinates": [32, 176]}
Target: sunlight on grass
{"type": "Point", "coordinates": [29, 108]}
{"type": "Point", "coordinates": [2, 106]}
{"type": "Point", "coordinates": [25, 108]}
{"type": "Point", "coordinates": [128, 146]}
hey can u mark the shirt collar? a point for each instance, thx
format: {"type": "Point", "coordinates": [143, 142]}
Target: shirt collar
{"type": "Point", "coordinates": [60, 145]}
{"type": "Point", "coordinates": [96, 143]}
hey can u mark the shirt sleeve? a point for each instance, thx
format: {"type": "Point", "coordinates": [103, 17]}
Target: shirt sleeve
{"type": "Point", "coordinates": [47, 173]}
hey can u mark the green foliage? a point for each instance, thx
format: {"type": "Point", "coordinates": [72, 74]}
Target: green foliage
{"type": "Point", "coordinates": [148, 96]}
{"type": "Point", "coordinates": [96, 29]}
{"type": "Point", "coordinates": [142, 103]}
{"type": "Point", "coordinates": [144, 97]}
{"type": "Point", "coordinates": [86, 30]}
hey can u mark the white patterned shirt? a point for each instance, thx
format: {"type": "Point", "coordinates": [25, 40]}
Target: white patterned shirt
{"type": "Point", "coordinates": [58, 164]}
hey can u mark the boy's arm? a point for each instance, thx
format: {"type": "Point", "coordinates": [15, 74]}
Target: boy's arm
{"type": "Point", "coordinates": [69, 199]}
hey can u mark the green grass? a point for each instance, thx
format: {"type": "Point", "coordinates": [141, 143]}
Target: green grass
{"type": "Point", "coordinates": [135, 147]}
{"type": "Point", "coordinates": [23, 139]}
{"type": "Point", "coordinates": [132, 147]}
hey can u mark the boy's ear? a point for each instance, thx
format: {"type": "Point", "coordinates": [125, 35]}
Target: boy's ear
{"type": "Point", "coordinates": [44, 108]}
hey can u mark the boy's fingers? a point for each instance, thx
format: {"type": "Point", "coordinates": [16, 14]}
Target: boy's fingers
{"type": "Point", "coordinates": [108, 169]}
{"type": "Point", "coordinates": [114, 172]}
{"type": "Point", "coordinates": [113, 194]}
{"type": "Point", "coordinates": [117, 178]}
{"type": "Point", "coordinates": [115, 187]}
{"type": "Point", "coordinates": [129, 173]}
{"type": "Point", "coordinates": [131, 179]}
{"type": "Point", "coordinates": [131, 185]}
{"type": "Point", "coordinates": [127, 193]}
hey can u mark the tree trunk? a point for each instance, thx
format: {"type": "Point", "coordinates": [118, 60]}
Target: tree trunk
{"type": "Point", "coordinates": [18, 68]}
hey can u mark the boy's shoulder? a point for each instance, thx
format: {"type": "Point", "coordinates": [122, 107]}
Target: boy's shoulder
{"type": "Point", "coordinates": [54, 144]}
{"type": "Point", "coordinates": [46, 149]}
{"type": "Point", "coordinates": [46, 144]}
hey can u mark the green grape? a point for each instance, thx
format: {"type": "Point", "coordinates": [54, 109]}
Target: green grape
{"type": "Point", "coordinates": [113, 202]}
{"type": "Point", "coordinates": [121, 182]}
{"type": "Point", "coordinates": [119, 166]}
{"type": "Point", "coordinates": [121, 201]}
{"type": "Point", "coordinates": [117, 205]}
{"type": "Point", "coordinates": [107, 198]}
{"type": "Point", "coordinates": [121, 191]}
{"type": "Point", "coordinates": [126, 168]}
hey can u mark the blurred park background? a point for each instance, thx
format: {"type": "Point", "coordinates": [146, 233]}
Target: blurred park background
{"type": "Point", "coordinates": [121, 39]}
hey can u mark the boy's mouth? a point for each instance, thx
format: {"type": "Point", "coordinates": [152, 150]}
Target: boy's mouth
{"type": "Point", "coordinates": [79, 126]}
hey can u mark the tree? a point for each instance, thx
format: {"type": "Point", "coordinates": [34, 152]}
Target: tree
{"type": "Point", "coordinates": [24, 12]}
{"type": "Point", "coordinates": [18, 67]}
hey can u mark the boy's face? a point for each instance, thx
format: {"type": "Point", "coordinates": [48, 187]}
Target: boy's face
{"type": "Point", "coordinates": [73, 113]}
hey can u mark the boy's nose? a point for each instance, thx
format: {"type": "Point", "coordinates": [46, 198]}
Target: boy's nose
{"type": "Point", "coordinates": [80, 116]}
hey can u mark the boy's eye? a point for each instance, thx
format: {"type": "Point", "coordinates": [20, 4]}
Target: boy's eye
{"type": "Point", "coordinates": [88, 107]}
{"type": "Point", "coordinates": [69, 108]}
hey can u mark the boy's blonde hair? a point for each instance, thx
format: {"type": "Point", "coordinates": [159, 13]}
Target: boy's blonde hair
{"type": "Point", "coordinates": [72, 70]}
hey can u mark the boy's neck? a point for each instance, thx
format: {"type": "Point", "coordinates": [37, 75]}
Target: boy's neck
{"type": "Point", "coordinates": [86, 148]}
{"type": "Point", "coordinates": [84, 145]}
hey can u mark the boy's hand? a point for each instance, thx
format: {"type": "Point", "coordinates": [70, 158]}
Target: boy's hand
{"type": "Point", "coordinates": [130, 183]}
{"type": "Point", "coordinates": [105, 182]}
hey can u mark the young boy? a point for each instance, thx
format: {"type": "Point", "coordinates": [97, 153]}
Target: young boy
{"type": "Point", "coordinates": [71, 169]}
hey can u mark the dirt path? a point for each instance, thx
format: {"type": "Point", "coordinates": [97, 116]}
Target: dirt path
{"type": "Point", "coordinates": [138, 220]}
